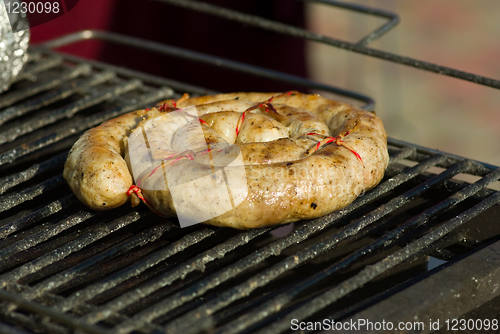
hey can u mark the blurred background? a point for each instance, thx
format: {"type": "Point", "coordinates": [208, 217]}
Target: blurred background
{"type": "Point", "coordinates": [423, 108]}
{"type": "Point", "coordinates": [427, 109]}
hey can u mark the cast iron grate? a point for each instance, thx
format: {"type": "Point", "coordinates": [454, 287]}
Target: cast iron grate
{"type": "Point", "coordinates": [65, 268]}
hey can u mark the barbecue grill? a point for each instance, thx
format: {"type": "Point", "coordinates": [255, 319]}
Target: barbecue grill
{"type": "Point", "coordinates": [65, 268]}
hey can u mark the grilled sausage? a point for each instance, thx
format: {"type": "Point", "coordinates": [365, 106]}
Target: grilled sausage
{"type": "Point", "coordinates": [302, 156]}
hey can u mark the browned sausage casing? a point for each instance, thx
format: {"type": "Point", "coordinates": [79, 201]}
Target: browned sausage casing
{"type": "Point", "coordinates": [287, 179]}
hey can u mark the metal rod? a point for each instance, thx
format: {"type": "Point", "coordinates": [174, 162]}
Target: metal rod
{"type": "Point", "coordinates": [95, 96]}
{"type": "Point", "coordinates": [204, 58]}
{"type": "Point", "coordinates": [34, 170]}
{"type": "Point", "coordinates": [65, 266]}
{"type": "Point", "coordinates": [124, 107]}
{"type": "Point", "coordinates": [9, 201]}
{"type": "Point", "coordinates": [36, 216]}
{"type": "Point", "coordinates": [429, 151]}
{"type": "Point", "coordinates": [54, 282]}
{"type": "Point", "coordinates": [38, 65]}
{"type": "Point", "coordinates": [262, 278]}
{"type": "Point", "coordinates": [197, 263]}
{"type": "Point", "coordinates": [40, 101]}
{"type": "Point", "coordinates": [145, 77]}
{"type": "Point", "coordinates": [394, 259]}
{"type": "Point", "coordinates": [44, 83]}
{"type": "Point", "coordinates": [155, 258]}
{"type": "Point", "coordinates": [377, 33]}
{"type": "Point", "coordinates": [304, 34]}
{"type": "Point", "coordinates": [275, 248]}
{"type": "Point", "coordinates": [64, 251]}
{"type": "Point", "coordinates": [67, 319]}
{"type": "Point", "coordinates": [5, 329]}
{"type": "Point", "coordinates": [277, 303]}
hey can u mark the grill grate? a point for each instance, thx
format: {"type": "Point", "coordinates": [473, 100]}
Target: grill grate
{"type": "Point", "coordinates": [65, 268]}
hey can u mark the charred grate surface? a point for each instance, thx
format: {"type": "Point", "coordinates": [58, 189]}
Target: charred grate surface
{"type": "Point", "coordinates": [65, 268]}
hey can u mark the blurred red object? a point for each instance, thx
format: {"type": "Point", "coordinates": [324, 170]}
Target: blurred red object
{"type": "Point", "coordinates": [87, 14]}
{"type": "Point", "coordinates": [188, 29]}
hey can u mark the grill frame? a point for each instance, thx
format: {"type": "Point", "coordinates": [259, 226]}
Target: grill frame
{"type": "Point", "coordinates": [358, 47]}
{"type": "Point", "coordinates": [19, 296]}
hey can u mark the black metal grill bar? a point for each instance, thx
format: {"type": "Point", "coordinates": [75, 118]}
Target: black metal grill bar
{"type": "Point", "coordinates": [40, 248]}
{"type": "Point", "coordinates": [401, 154]}
{"type": "Point", "coordinates": [100, 269]}
{"type": "Point", "coordinates": [79, 298]}
{"type": "Point", "coordinates": [29, 322]}
{"type": "Point", "coordinates": [61, 252]}
{"type": "Point", "coordinates": [79, 270]}
{"type": "Point", "coordinates": [480, 168]}
{"type": "Point", "coordinates": [476, 168]}
{"type": "Point", "coordinates": [39, 237]}
{"type": "Point", "coordinates": [51, 81]}
{"type": "Point", "coordinates": [42, 309]}
{"type": "Point", "coordinates": [305, 34]}
{"type": "Point", "coordinates": [94, 289]}
{"type": "Point", "coordinates": [87, 308]}
{"type": "Point", "coordinates": [398, 257]}
{"type": "Point", "coordinates": [420, 244]}
{"type": "Point", "coordinates": [24, 234]}
{"type": "Point", "coordinates": [300, 234]}
{"type": "Point", "coordinates": [73, 259]}
{"type": "Point", "coordinates": [13, 276]}
{"type": "Point", "coordinates": [5, 329]}
{"type": "Point", "coordinates": [9, 201]}
{"type": "Point", "coordinates": [377, 33]}
{"type": "Point", "coordinates": [207, 59]}
{"type": "Point", "coordinates": [35, 236]}
{"type": "Point", "coordinates": [36, 169]}
{"type": "Point", "coordinates": [131, 104]}
{"type": "Point", "coordinates": [436, 248]}
{"type": "Point", "coordinates": [49, 326]}
{"type": "Point", "coordinates": [34, 217]}
{"type": "Point", "coordinates": [37, 65]}
{"type": "Point", "coordinates": [276, 304]}
{"type": "Point", "coordinates": [195, 264]}
{"type": "Point", "coordinates": [96, 96]}
{"type": "Point", "coordinates": [222, 249]}
{"type": "Point", "coordinates": [64, 91]}
{"type": "Point", "coordinates": [149, 78]}
{"type": "Point", "coordinates": [66, 276]}
{"type": "Point", "coordinates": [69, 261]}
{"type": "Point", "coordinates": [302, 256]}
{"type": "Point", "coordinates": [34, 57]}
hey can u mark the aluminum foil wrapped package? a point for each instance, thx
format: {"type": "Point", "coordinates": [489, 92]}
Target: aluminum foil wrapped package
{"type": "Point", "coordinates": [14, 38]}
